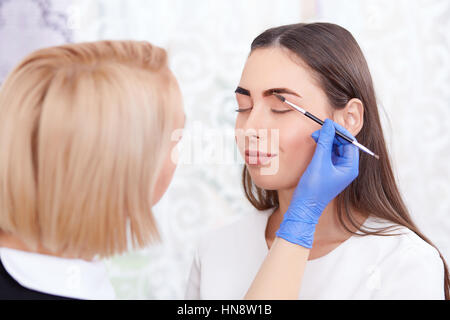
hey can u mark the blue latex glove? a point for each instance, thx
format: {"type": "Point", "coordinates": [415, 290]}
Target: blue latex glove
{"type": "Point", "coordinates": [333, 167]}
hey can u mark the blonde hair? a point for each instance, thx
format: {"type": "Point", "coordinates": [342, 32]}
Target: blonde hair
{"type": "Point", "coordinates": [84, 132]}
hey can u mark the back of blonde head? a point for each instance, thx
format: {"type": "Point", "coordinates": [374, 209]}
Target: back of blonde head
{"type": "Point", "coordinates": [84, 132]}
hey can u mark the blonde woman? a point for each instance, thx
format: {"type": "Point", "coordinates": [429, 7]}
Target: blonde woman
{"type": "Point", "coordinates": [84, 144]}
{"type": "Point", "coordinates": [85, 152]}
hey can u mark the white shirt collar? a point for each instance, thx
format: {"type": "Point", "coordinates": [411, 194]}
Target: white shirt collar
{"type": "Point", "coordinates": [72, 278]}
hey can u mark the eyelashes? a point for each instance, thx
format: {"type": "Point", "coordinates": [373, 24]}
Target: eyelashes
{"type": "Point", "coordinates": [243, 110]}
{"type": "Point", "coordinates": [240, 110]}
{"type": "Point", "coordinates": [281, 111]}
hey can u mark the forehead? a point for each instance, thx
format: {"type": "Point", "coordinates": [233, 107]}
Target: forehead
{"type": "Point", "coordinates": [276, 67]}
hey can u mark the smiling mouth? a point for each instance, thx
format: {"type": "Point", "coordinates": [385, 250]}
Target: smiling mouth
{"type": "Point", "coordinates": [257, 158]}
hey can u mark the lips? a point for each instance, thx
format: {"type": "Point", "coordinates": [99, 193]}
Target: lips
{"type": "Point", "coordinates": [255, 157]}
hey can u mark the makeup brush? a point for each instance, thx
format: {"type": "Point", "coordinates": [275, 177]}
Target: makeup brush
{"type": "Point", "coordinates": [314, 118]}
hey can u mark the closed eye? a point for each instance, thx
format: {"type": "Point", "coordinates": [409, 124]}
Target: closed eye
{"type": "Point", "coordinates": [281, 111]}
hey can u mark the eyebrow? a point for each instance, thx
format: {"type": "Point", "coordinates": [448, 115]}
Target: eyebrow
{"type": "Point", "coordinates": [268, 92]}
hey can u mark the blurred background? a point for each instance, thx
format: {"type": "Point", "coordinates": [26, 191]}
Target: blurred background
{"type": "Point", "coordinates": [406, 43]}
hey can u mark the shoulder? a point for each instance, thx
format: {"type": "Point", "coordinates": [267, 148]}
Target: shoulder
{"type": "Point", "coordinates": [398, 239]}
{"type": "Point", "coordinates": [410, 267]}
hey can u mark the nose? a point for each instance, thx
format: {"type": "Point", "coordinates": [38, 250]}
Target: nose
{"type": "Point", "coordinates": [257, 124]}
{"type": "Point", "coordinates": [258, 117]}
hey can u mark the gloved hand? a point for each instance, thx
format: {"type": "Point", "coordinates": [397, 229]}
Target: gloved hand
{"type": "Point", "coordinates": [333, 167]}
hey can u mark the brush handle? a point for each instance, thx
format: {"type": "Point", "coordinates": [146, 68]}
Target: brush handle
{"type": "Point", "coordinates": [340, 134]}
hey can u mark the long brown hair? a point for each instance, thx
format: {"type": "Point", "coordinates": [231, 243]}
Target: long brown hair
{"type": "Point", "coordinates": [337, 62]}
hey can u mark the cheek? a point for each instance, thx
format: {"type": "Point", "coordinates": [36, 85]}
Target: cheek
{"type": "Point", "coordinates": [297, 150]}
{"type": "Point", "coordinates": [165, 177]}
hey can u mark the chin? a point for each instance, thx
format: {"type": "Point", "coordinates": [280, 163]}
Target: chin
{"type": "Point", "coordinates": [276, 181]}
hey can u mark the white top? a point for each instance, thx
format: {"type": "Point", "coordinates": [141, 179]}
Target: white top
{"type": "Point", "coordinates": [72, 278]}
{"type": "Point", "coordinates": [362, 267]}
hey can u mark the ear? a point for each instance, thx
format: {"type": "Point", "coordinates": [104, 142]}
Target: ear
{"type": "Point", "coordinates": [351, 117]}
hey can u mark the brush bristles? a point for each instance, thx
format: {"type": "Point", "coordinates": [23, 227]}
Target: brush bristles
{"type": "Point", "coordinates": [281, 98]}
